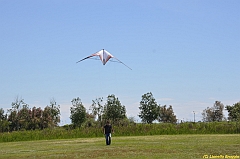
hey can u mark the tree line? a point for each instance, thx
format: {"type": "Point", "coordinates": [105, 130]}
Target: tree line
{"type": "Point", "coordinates": [114, 111]}
{"type": "Point", "coordinates": [215, 113]}
{"type": "Point", "coordinates": [22, 117]}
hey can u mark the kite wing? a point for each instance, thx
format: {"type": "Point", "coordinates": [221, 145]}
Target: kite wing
{"type": "Point", "coordinates": [104, 57]}
{"type": "Point", "coordinates": [85, 58]}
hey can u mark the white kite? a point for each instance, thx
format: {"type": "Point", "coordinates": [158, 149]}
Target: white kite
{"type": "Point", "coordinates": [104, 57]}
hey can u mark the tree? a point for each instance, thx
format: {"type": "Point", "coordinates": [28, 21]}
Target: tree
{"type": "Point", "coordinates": [54, 112]}
{"type": "Point", "coordinates": [78, 112]}
{"type": "Point", "coordinates": [46, 120]}
{"type": "Point", "coordinates": [89, 122]}
{"type": "Point", "coordinates": [97, 108]}
{"type": "Point", "coordinates": [148, 108]}
{"type": "Point", "coordinates": [214, 113]}
{"type": "Point", "coordinates": [35, 118]}
{"type": "Point", "coordinates": [50, 115]}
{"type": "Point", "coordinates": [113, 109]}
{"type": "Point", "coordinates": [3, 121]}
{"type": "Point", "coordinates": [2, 116]}
{"type": "Point", "coordinates": [24, 117]}
{"type": "Point", "coordinates": [15, 115]}
{"type": "Point", "coordinates": [234, 112]}
{"type": "Point", "coordinates": [166, 115]}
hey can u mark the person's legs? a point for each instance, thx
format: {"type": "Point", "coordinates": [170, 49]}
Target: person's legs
{"type": "Point", "coordinates": [107, 139]}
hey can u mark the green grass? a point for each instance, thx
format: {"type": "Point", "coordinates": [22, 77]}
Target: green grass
{"type": "Point", "coordinates": [156, 146]}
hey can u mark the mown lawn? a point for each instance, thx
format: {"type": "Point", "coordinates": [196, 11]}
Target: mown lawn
{"type": "Point", "coordinates": [160, 146]}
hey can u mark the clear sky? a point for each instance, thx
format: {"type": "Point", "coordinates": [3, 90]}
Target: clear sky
{"type": "Point", "coordinates": [187, 53]}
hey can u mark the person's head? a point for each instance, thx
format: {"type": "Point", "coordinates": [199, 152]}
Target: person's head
{"type": "Point", "coordinates": [107, 122]}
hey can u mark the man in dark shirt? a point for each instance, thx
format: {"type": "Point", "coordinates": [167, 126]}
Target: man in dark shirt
{"type": "Point", "coordinates": [107, 130]}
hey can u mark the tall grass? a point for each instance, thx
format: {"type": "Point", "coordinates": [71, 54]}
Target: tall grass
{"type": "Point", "coordinates": [48, 134]}
{"type": "Point", "coordinates": [130, 130]}
{"type": "Point", "coordinates": [183, 128]}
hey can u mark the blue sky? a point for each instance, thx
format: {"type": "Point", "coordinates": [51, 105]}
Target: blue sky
{"type": "Point", "coordinates": [185, 52]}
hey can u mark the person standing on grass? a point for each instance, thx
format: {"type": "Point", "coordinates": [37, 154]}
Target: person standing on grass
{"type": "Point", "coordinates": [107, 130]}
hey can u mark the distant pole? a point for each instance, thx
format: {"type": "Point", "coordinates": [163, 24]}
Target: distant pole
{"type": "Point", "coordinates": [194, 116]}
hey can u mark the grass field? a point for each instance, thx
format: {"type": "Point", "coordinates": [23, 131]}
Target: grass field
{"type": "Point", "coordinates": [159, 146]}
